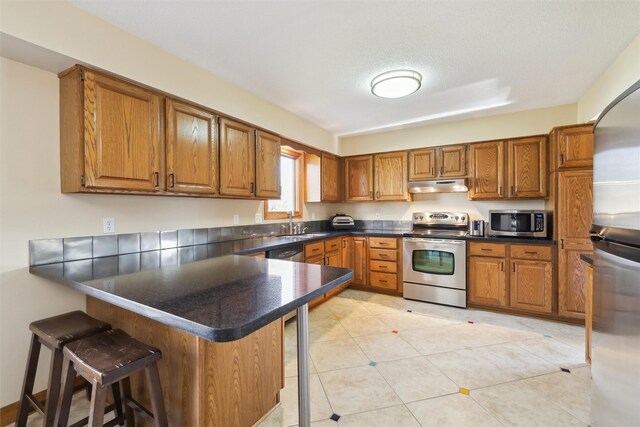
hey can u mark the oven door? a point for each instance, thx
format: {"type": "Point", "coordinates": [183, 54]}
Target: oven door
{"type": "Point", "coordinates": [437, 262]}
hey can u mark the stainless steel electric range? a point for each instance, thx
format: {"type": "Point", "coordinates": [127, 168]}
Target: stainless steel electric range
{"type": "Point", "coordinates": [434, 254]}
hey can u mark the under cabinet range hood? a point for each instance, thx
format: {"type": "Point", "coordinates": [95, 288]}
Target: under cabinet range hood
{"type": "Point", "coordinates": [439, 186]}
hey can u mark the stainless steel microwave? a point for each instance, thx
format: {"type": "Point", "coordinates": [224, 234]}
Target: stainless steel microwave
{"type": "Point", "coordinates": [518, 223]}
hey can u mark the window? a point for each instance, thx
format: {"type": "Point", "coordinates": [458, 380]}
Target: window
{"type": "Point", "coordinates": [292, 182]}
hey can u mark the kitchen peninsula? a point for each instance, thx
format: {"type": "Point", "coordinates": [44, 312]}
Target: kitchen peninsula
{"type": "Point", "coordinates": [218, 322]}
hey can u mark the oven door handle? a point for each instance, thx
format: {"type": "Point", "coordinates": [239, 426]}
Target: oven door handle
{"type": "Point", "coordinates": [421, 240]}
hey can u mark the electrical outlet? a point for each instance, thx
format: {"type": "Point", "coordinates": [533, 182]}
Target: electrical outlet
{"type": "Point", "coordinates": [377, 215]}
{"type": "Point", "coordinates": [258, 219]}
{"type": "Point", "coordinates": [236, 219]}
{"type": "Point", "coordinates": [108, 225]}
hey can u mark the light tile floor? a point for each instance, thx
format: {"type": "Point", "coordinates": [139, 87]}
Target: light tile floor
{"type": "Point", "coordinates": [424, 354]}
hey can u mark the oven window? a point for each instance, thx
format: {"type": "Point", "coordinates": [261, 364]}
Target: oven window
{"type": "Point", "coordinates": [433, 262]}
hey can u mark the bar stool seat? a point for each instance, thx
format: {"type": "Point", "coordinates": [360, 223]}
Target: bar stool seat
{"type": "Point", "coordinates": [54, 333]}
{"type": "Point", "coordinates": [104, 360]}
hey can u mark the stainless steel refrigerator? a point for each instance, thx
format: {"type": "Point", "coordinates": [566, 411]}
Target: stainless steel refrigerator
{"type": "Point", "coordinates": [615, 369]}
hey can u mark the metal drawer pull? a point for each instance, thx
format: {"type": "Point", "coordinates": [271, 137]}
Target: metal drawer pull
{"type": "Point", "coordinates": [501, 266]}
{"type": "Point", "coordinates": [383, 281]}
{"type": "Point", "coordinates": [384, 256]}
{"type": "Point", "coordinates": [486, 249]}
{"type": "Point", "coordinates": [530, 252]}
{"type": "Point", "coordinates": [383, 266]}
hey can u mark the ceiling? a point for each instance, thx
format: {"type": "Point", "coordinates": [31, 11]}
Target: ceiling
{"type": "Point", "coordinates": [317, 58]}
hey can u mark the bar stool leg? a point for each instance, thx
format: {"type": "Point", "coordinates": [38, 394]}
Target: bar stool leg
{"type": "Point", "coordinates": [117, 402]}
{"type": "Point", "coordinates": [53, 390]}
{"type": "Point", "coordinates": [64, 402]}
{"type": "Point", "coordinates": [125, 391]}
{"type": "Point", "coordinates": [29, 378]}
{"type": "Point", "coordinates": [157, 402]}
{"type": "Point", "coordinates": [98, 401]}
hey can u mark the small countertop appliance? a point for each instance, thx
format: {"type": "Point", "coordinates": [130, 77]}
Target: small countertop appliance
{"type": "Point", "coordinates": [342, 221]}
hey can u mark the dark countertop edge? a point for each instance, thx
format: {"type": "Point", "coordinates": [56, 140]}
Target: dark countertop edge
{"type": "Point", "coordinates": [210, 334]}
{"type": "Point", "coordinates": [587, 259]}
{"type": "Point", "coordinates": [520, 240]}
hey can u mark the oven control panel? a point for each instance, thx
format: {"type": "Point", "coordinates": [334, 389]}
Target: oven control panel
{"type": "Point", "coordinates": [441, 218]}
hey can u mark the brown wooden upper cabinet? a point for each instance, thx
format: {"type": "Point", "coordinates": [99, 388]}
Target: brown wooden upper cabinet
{"type": "Point", "coordinates": [358, 178]}
{"type": "Point", "coordinates": [267, 165]}
{"type": "Point", "coordinates": [487, 170]}
{"type": "Point", "coordinates": [391, 176]}
{"type": "Point", "coordinates": [524, 177]}
{"type": "Point", "coordinates": [574, 146]}
{"type": "Point", "coordinates": [527, 165]}
{"type": "Point", "coordinates": [452, 161]}
{"type": "Point", "coordinates": [237, 159]}
{"type": "Point", "coordinates": [446, 162]}
{"type": "Point", "coordinates": [192, 149]}
{"type": "Point", "coordinates": [110, 134]}
{"type": "Point", "coordinates": [330, 178]}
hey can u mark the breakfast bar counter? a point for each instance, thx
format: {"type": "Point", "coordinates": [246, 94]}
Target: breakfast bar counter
{"type": "Point", "coordinates": [218, 322]}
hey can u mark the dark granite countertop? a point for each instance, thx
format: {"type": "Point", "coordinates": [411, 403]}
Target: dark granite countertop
{"type": "Point", "coordinates": [587, 259]}
{"type": "Point", "coordinates": [219, 298]}
{"type": "Point", "coordinates": [523, 240]}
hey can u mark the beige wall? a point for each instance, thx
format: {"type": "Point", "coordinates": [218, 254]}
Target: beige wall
{"type": "Point", "coordinates": [620, 75]}
{"type": "Point", "coordinates": [522, 123]}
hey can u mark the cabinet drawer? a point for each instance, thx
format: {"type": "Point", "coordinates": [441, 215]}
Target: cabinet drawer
{"type": "Point", "coordinates": [531, 252]}
{"type": "Point", "coordinates": [383, 242]}
{"type": "Point", "coordinates": [313, 249]}
{"type": "Point", "coordinates": [386, 266]}
{"type": "Point", "coordinates": [332, 244]}
{"type": "Point", "coordinates": [383, 280]}
{"type": "Point", "coordinates": [318, 260]}
{"type": "Point", "coordinates": [487, 249]}
{"type": "Point", "coordinates": [383, 254]}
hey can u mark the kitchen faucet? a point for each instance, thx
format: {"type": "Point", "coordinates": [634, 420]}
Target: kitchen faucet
{"type": "Point", "coordinates": [290, 216]}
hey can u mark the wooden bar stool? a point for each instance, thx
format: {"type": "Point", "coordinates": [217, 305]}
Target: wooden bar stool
{"type": "Point", "coordinates": [107, 359]}
{"type": "Point", "coordinates": [54, 333]}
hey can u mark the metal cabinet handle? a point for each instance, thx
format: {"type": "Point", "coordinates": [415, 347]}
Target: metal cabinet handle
{"type": "Point", "coordinates": [500, 191]}
{"type": "Point", "coordinates": [561, 243]}
{"type": "Point", "coordinates": [441, 170]}
{"type": "Point", "coordinates": [514, 266]}
{"type": "Point", "coordinates": [383, 266]}
{"type": "Point", "coordinates": [433, 171]}
{"type": "Point", "coordinates": [561, 158]}
{"type": "Point", "coordinates": [377, 194]}
{"type": "Point", "coordinates": [156, 179]}
{"type": "Point", "coordinates": [383, 281]}
{"type": "Point", "coordinates": [501, 266]}
{"type": "Point", "coordinates": [530, 252]}
{"type": "Point", "coordinates": [251, 188]}
{"type": "Point", "coordinates": [384, 256]}
{"type": "Point", "coordinates": [172, 180]}
{"type": "Point", "coordinates": [512, 190]}
{"type": "Point", "coordinates": [486, 249]}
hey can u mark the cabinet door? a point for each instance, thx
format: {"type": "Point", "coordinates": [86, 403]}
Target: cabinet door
{"type": "Point", "coordinates": [358, 178]}
{"type": "Point", "coordinates": [575, 204]}
{"type": "Point", "coordinates": [573, 278]}
{"type": "Point", "coordinates": [575, 147]}
{"type": "Point", "coordinates": [422, 164]}
{"type": "Point", "coordinates": [121, 135]}
{"type": "Point", "coordinates": [487, 170]}
{"type": "Point", "coordinates": [487, 281]}
{"type": "Point", "coordinates": [527, 164]}
{"type": "Point", "coordinates": [237, 159]}
{"type": "Point", "coordinates": [267, 165]}
{"type": "Point", "coordinates": [192, 149]}
{"type": "Point", "coordinates": [330, 178]}
{"type": "Point", "coordinates": [359, 261]}
{"type": "Point", "coordinates": [391, 176]}
{"type": "Point", "coordinates": [531, 285]}
{"type": "Point", "coordinates": [347, 252]}
{"type": "Point", "coordinates": [452, 161]}
{"type": "Point", "coordinates": [332, 259]}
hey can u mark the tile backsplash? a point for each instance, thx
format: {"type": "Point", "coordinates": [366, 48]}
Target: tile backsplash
{"type": "Point", "coordinates": [47, 251]}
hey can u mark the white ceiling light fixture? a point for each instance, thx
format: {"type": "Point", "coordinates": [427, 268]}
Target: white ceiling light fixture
{"type": "Point", "coordinates": [396, 83]}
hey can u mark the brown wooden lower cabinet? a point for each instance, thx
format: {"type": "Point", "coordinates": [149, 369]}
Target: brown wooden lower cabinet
{"type": "Point", "coordinates": [514, 276]}
{"type": "Point", "coordinates": [359, 261]}
{"type": "Point", "coordinates": [572, 278]}
{"type": "Point", "coordinates": [487, 281]}
{"type": "Point", "coordinates": [206, 383]}
{"type": "Point", "coordinates": [531, 285]}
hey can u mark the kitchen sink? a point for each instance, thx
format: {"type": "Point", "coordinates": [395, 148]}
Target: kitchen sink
{"type": "Point", "coordinates": [305, 236]}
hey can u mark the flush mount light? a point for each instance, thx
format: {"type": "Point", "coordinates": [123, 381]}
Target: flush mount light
{"type": "Point", "coordinates": [396, 84]}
